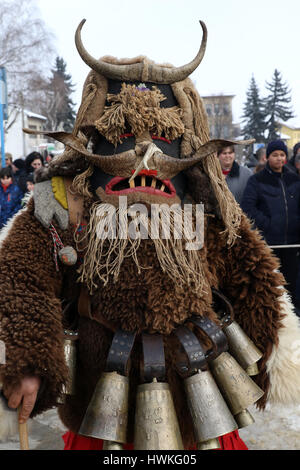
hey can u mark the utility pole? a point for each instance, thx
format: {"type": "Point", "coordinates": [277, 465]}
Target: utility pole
{"type": "Point", "coordinates": [23, 123]}
{"type": "Point", "coordinates": [3, 111]}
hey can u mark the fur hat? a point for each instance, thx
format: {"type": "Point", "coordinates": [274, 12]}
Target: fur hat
{"type": "Point", "coordinates": [276, 145]}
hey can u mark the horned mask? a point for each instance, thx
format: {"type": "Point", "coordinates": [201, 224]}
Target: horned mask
{"type": "Point", "coordinates": [139, 128]}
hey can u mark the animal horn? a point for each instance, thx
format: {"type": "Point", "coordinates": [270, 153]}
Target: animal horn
{"type": "Point", "coordinates": [133, 72]}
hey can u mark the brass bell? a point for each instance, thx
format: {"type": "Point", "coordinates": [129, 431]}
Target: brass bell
{"type": "Point", "coordinates": [236, 386]}
{"type": "Point", "coordinates": [70, 358]}
{"type": "Point", "coordinates": [156, 425]}
{"type": "Point", "coordinates": [107, 413]}
{"type": "Point", "coordinates": [210, 413]}
{"type": "Point", "coordinates": [242, 348]}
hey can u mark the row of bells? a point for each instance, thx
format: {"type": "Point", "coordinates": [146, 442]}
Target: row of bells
{"type": "Point", "coordinates": [217, 398]}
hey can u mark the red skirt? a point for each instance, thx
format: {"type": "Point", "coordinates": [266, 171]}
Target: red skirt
{"type": "Point", "coordinates": [231, 441]}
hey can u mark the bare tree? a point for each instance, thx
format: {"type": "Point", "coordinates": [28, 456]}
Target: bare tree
{"type": "Point", "coordinates": [25, 51]}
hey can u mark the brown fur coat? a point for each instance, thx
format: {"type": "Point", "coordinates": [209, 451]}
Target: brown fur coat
{"type": "Point", "coordinates": [31, 314]}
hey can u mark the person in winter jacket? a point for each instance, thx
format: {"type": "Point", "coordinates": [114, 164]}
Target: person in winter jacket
{"type": "Point", "coordinates": [235, 174]}
{"type": "Point", "coordinates": [10, 196]}
{"type": "Point", "coordinates": [33, 162]}
{"type": "Point", "coordinates": [19, 173]}
{"type": "Point", "coordinates": [272, 201]}
{"type": "Point", "coordinates": [291, 164]}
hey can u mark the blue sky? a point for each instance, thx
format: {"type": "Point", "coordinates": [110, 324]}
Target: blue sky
{"type": "Point", "coordinates": [245, 38]}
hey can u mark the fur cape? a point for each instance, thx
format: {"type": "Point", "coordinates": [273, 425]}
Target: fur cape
{"type": "Point", "coordinates": [32, 328]}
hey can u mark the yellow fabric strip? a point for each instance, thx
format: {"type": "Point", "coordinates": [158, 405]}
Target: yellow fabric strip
{"type": "Point", "coordinates": [59, 190]}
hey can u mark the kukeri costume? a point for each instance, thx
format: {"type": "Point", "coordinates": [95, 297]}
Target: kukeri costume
{"type": "Point", "coordinates": [148, 327]}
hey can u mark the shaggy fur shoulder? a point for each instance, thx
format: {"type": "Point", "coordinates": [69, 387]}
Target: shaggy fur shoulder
{"type": "Point", "coordinates": [30, 309]}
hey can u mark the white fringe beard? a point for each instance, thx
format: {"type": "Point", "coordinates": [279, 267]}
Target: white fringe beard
{"type": "Point", "coordinates": [107, 244]}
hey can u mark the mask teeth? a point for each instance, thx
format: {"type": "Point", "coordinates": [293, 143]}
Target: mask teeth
{"type": "Point", "coordinates": [153, 184]}
{"type": "Point", "coordinates": [142, 181]}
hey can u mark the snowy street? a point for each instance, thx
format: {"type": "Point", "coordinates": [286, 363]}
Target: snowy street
{"type": "Point", "coordinates": [277, 428]}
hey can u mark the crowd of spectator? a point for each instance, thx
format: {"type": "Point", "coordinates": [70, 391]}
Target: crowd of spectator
{"type": "Point", "coordinates": [17, 181]}
{"type": "Point", "coordinates": [268, 191]}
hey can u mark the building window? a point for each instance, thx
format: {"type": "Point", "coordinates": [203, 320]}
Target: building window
{"type": "Point", "coordinates": [217, 109]}
{"type": "Point", "coordinates": [209, 109]}
{"type": "Point", "coordinates": [33, 127]}
{"type": "Point", "coordinates": [226, 109]}
{"type": "Point", "coordinates": [226, 131]}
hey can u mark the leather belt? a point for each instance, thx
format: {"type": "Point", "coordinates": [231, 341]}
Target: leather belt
{"type": "Point", "coordinates": [214, 333]}
{"type": "Point", "coordinates": [193, 350]}
{"type": "Point", "coordinates": [154, 357]}
{"type": "Point", "coordinates": [119, 353]}
{"type": "Point", "coordinates": [227, 313]}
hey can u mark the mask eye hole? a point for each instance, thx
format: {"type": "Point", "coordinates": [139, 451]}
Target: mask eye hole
{"type": "Point", "coordinates": [154, 137]}
{"type": "Point", "coordinates": [161, 138]}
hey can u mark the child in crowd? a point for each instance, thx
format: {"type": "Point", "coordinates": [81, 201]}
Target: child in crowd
{"type": "Point", "coordinates": [29, 183]}
{"type": "Point", "coordinates": [10, 196]}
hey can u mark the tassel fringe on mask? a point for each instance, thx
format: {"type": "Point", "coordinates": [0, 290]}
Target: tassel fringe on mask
{"type": "Point", "coordinates": [112, 236]}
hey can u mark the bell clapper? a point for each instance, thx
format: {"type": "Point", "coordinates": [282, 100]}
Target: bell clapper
{"type": "Point", "coordinates": [112, 445]}
{"type": "Point", "coordinates": [244, 418]}
{"type": "Point", "coordinates": [210, 444]}
{"type": "Point", "coordinates": [252, 369]}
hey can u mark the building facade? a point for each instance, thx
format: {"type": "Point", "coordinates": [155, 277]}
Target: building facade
{"type": "Point", "coordinates": [219, 114]}
{"type": "Point", "coordinates": [19, 144]}
{"type": "Point", "coordinates": [290, 134]}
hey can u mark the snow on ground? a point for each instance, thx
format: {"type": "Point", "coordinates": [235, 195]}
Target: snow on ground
{"type": "Point", "coordinates": [277, 428]}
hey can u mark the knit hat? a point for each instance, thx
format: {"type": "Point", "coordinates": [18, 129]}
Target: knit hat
{"type": "Point", "coordinates": [19, 163]}
{"type": "Point", "coordinates": [276, 145]}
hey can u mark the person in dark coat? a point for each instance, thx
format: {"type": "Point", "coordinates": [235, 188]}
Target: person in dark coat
{"type": "Point", "coordinates": [33, 162]}
{"type": "Point", "coordinates": [257, 160]}
{"type": "Point", "coordinates": [291, 164]}
{"type": "Point", "coordinates": [236, 175]}
{"type": "Point", "coordinates": [19, 173]}
{"type": "Point", "coordinates": [272, 201]}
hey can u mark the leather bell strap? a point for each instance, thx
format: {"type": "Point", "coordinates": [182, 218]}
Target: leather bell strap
{"type": "Point", "coordinates": [119, 352]}
{"type": "Point", "coordinates": [226, 307]}
{"type": "Point", "coordinates": [154, 365]}
{"type": "Point", "coordinates": [214, 333]}
{"type": "Point", "coordinates": [193, 350]}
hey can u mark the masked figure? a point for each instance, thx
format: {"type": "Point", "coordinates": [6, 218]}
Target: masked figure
{"type": "Point", "coordinates": [134, 290]}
